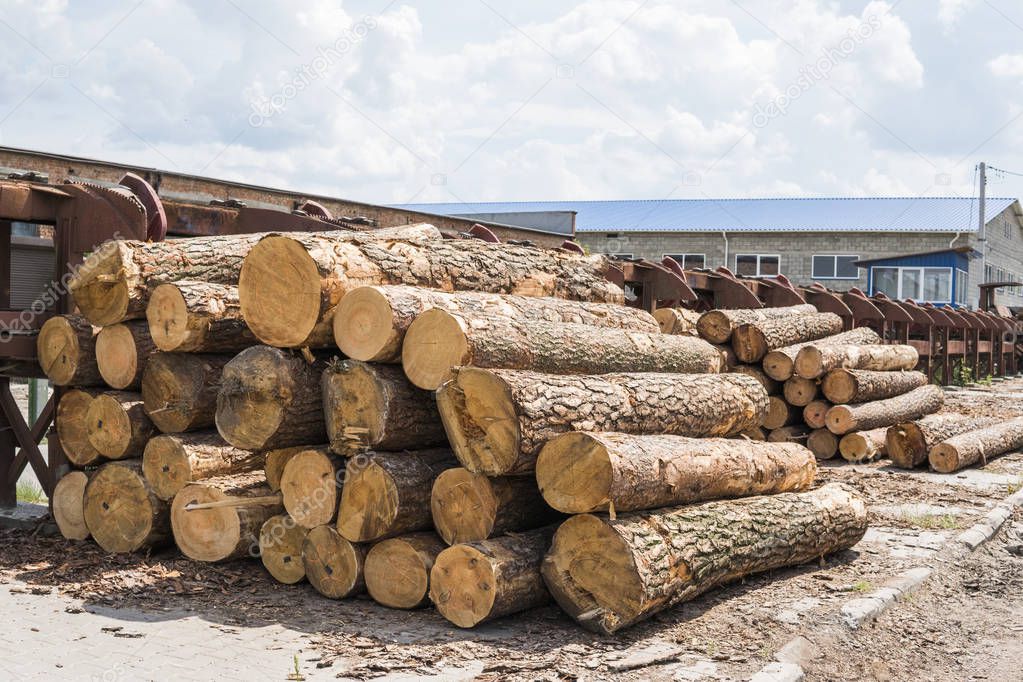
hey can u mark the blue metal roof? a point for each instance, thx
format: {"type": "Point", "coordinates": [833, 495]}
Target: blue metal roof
{"type": "Point", "coordinates": [895, 214]}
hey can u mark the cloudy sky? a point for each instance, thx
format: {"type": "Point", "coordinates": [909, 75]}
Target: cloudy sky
{"type": "Point", "coordinates": [473, 100]}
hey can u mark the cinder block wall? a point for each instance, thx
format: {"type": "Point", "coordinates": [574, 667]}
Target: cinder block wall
{"type": "Point", "coordinates": [1005, 251]}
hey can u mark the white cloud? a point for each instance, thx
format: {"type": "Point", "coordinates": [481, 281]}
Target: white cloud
{"type": "Point", "coordinates": [1007, 66]}
{"type": "Point", "coordinates": [951, 11]}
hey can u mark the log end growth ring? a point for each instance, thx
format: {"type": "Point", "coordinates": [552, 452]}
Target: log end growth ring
{"type": "Point", "coordinates": [396, 574]}
{"type": "Point", "coordinates": [280, 549]}
{"type": "Point", "coordinates": [118, 511]}
{"type": "Point", "coordinates": [100, 289]}
{"type": "Point", "coordinates": [434, 344]}
{"type": "Point", "coordinates": [363, 326]}
{"type": "Point", "coordinates": [69, 506]}
{"type": "Point", "coordinates": [279, 291]}
{"type": "Point", "coordinates": [332, 565]}
{"type": "Point", "coordinates": [463, 585]}
{"type": "Point", "coordinates": [109, 427]}
{"type": "Point", "coordinates": [167, 314]}
{"type": "Point", "coordinates": [463, 505]}
{"type": "Point", "coordinates": [575, 474]}
{"type": "Point", "coordinates": [249, 403]}
{"type": "Point", "coordinates": [309, 488]}
{"type": "Point", "coordinates": [369, 502]}
{"type": "Point", "coordinates": [480, 420]}
{"type": "Point", "coordinates": [58, 350]}
{"type": "Point", "coordinates": [166, 466]}
{"type": "Point", "coordinates": [204, 534]}
{"type": "Point", "coordinates": [117, 356]}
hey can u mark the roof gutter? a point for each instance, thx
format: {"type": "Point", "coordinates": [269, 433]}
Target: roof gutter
{"type": "Point", "coordinates": [954, 239]}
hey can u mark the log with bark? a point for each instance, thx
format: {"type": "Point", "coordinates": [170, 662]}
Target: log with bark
{"type": "Point", "coordinates": [122, 512]}
{"type": "Point", "coordinates": [909, 442]}
{"type": "Point", "coordinates": [770, 385]}
{"type": "Point", "coordinates": [438, 341]}
{"type": "Point", "coordinates": [118, 425]}
{"type": "Point", "coordinates": [475, 582]}
{"type": "Point", "coordinates": [371, 321]}
{"type": "Point", "coordinates": [311, 486]}
{"type": "Point", "coordinates": [814, 360]}
{"type": "Point", "coordinates": [755, 433]}
{"type": "Point", "coordinates": [752, 341]}
{"type": "Point", "coordinates": [69, 505]}
{"type": "Point", "coordinates": [388, 493]}
{"type": "Point", "coordinates": [729, 363]}
{"type": "Point", "coordinates": [371, 406]}
{"type": "Point", "coordinates": [179, 390]}
{"type": "Point", "coordinates": [72, 425]}
{"type": "Point", "coordinates": [677, 320]}
{"type": "Point", "coordinates": [280, 549]}
{"type": "Point", "coordinates": [842, 419]}
{"type": "Point", "coordinates": [66, 347]}
{"type": "Point", "coordinates": [780, 363]}
{"type": "Point", "coordinates": [842, 386]}
{"type": "Point", "coordinates": [583, 472]}
{"type": "Point", "coordinates": [222, 533]}
{"type": "Point", "coordinates": [270, 398]}
{"type": "Point", "coordinates": [274, 462]}
{"type": "Point", "coordinates": [977, 446]}
{"type": "Point", "coordinates": [799, 391]}
{"type": "Point", "coordinates": [170, 462]}
{"type": "Point", "coordinates": [122, 353]}
{"type": "Point", "coordinates": [815, 412]}
{"type": "Point", "coordinates": [797, 433]}
{"type": "Point", "coordinates": [468, 507]}
{"type": "Point", "coordinates": [717, 326]}
{"type": "Point", "coordinates": [780, 413]}
{"type": "Point", "coordinates": [398, 570]}
{"type": "Point", "coordinates": [333, 566]}
{"type": "Point", "coordinates": [609, 574]}
{"type": "Point", "coordinates": [863, 446]}
{"type": "Point", "coordinates": [822, 443]}
{"type": "Point", "coordinates": [198, 317]}
{"type": "Point", "coordinates": [290, 284]}
{"type": "Point", "coordinates": [497, 420]}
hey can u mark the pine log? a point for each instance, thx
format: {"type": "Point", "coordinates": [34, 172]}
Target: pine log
{"type": "Point", "coordinates": [781, 413]}
{"type": "Point", "coordinates": [822, 443]}
{"type": "Point", "coordinates": [387, 494]}
{"type": "Point", "coordinates": [717, 326]}
{"type": "Point", "coordinates": [814, 413]}
{"type": "Point", "coordinates": [754, 433]}
{"type": "Point", "coordinates": [370, 406]}
{"type": "Point", "coordinates": [311, 485]}
{"type": "Point", "coordinates": [333, 566]}
{"type": "Point", "coordinates": [371, 321]}
{"type": "Point", "coordinates": [770, 385]}
{"type": "Point", "coordinates": [118, 425]}
{"type": "Point", "coordinates": [122, 353]}
{"type": "Point", "coordinates": [290, 284]}
{"type": "Point", "coordinates": [69, 505]}
{"type": "Point", "coordinates": [797, 433]}
{"type": "Point", "coordinates": [170, 462]}
{"type": "Point", "coordinates": [609, 574]}
{"type": "Point", "coordinates": [753, 341]}
{"type": "Point", "coordinates": [497, 420]}
{"type": "Point", "coordinates": [780, 362]}
{"type": "Point", "coordinates": [66, 347]}
{"type": "Point", "coordinates": [909, 442]}
{"type": "Point", "coordinates": [976, 447]}
{"type": "Point", "coordinates": [583, 472]}
{"type": "Point", "coordinates": [270, 398]}
{"type": "Point", "coordinates": [815, 360]}
{"type": "Point", "coordinates": [677, 320]}
{"type": "Point", "coordinates": [729, 363]}
{"type": "Point", "coordinates": [122, 512]}
{"type": "Point", "coordinates": [179, 390]}
{"type": "Point", "coordinates": [863, 446]}
{"type": "Point", "coordinates": [197, 317]}
{"type": "Point", "coordinates": [398, 570]}
{"type": "Point", "coordinates": [280, 549]}
{"type": "Point", "coordinates": [438, 341]}
{"type": "Point", "coordinates": [274, 462]}
{"type": "Point", "coordinates": [842, 419]}
{"type": "Point", "coordinates": [222, 533]}
{"type": "Point", "coordinates": [842, 386]}
{"type": "Point", "coordinates": [475, 582]}
{"type": "Point", "coordinates": [72, 425]}
{"type": "Point", "coordinates": [468, 507]}
{"type": "Point", "coordinates": [799, 391]}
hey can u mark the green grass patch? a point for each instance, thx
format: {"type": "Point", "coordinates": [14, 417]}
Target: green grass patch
{"type": "Point", "coordinates": [30, 492]}
{"type": "Point", "coordinates": [932, 521]}
{"type": "Point", "coordinates": [863, 586]}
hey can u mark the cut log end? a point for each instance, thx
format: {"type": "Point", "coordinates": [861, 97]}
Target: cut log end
{"type": "Point", "coordinates": [110, 428]}
{"type": "Point", "coordinates": [69, 505]}
{"type": "Point", "coordinates": [822, 443]}
{"type": "Point", "coordinates": [333, 565]}
{"type": "Point", "coordinates": [840, 420]}
{"type": "Point", "coordinates": [799, 391]}
{"type": "Point", "coordinates": [778, 366]}
{"type": "Point", "coordinates": [280, 549]}
{"type": "Point", "coordinates": [72, 424]}
{"type": "Point", "coordinates": [370, 499]}
{"type": "Point", "coordinates": [906, 445]}
{"type": "Point", "coordinates": [779, 414]}
{"type": "Point", "coordinates": [361, 407]}
{"type": "Point", "coordinates": [119, 511]}
{"type": "Point", "coordinates": [814, 413]}
{"type": "Point", "coordinates": [98, 289]}
{"type": "Point", "coordinates": [167, 314]}
{"type": "Point", "coordinates": [58, 350]}
{"type": "Point", "coordinates": [205, 534]}
{"type": "Point", "coordinates": [463, 585]}
{"type": "Point", "coordinates": [463, 506]}
{"type": "Point", "coordinates": [715, 326]}
{"type": "Point", "coordinates": [166, 466]}
{"type": "Point", "coordinates": [117, 356]}
{"type": "Point", "coordinates": [809, 362]}
{"type": "Point", "coordinates": [944, 458]}
{"type": "Point", "coordinates": [749, 343]}
{"type": "Point", "coordinates": [398, 570]}
{"type": "Point", "coordinates": [839, 386]}
{"type": "Point", "coordinates": [309, 485]}
{"type": "Point", "coordinates": [279, 291]}
{"type": "Point", "coordinates": [575, 474]}
{"type": "Point", "coordinates": [480, 420]}
{"type": "Point", "coordinates": [364, 327]}
{"type": "Point", "coordinates": [434, 344]}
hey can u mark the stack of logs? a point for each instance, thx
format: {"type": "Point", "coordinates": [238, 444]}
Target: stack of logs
{"type": "Point", "coordinates": [484, 427]}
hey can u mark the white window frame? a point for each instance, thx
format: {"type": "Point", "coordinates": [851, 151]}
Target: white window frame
{"type": "Point", "coordinates": [758, 256]}
{"type": "Point", "coordinates": [835, 256]}
{"type": "Point", "coordinates": [920, 269]}
{"type": "Point", "coordinates": [676, 256]}
{"type": "Point", "coordinates": [962, 286]}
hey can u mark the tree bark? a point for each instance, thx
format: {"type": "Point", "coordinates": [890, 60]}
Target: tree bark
{"type": "Point", "coordinates": [468, 507]}
{"type": "Point", "coordinates": [170, 462]}
{"type": "Point", "coordinates": [843, 386]}
{"type": "Point", "coordinates": [180, 390]}
{"type": "Point", "coordinates": [799, 391]}
{"type": "Point", "coordinates": [754, 433]}
{"type": "Point", "coordinates": [198, 317]}
{"type": "Point", "coordinates": [290, 284]}
{"type": "Point", "coordinates": [69, 505]}
{"type": "Point", "coordinates": [770, 385]}
{"type": "Point", "coordinates": [797, 433]}
{"type": "Point", "coordinates": [842, 419]}
{"type": "Point", "coordinates": [780, 363]}
{"type": "Point", "coordinates": [583, 472]}
{"type": "Point", "coordinates": [978, 446]}
{"type": "Point", "coordinates": [729, 363]}
{"type": "Point", "coordinates": [438, 341]}
{"type": "Point", "coordinates": [280, 549]}
{"type": "Point", "coordinates": [222, 533]}
{"type": "Point", "coordinates": [72, 425]}
{"type": "Point", "coordinates": [270, 398]}
{"type": "Point", "coordinates": [610, 574]}
{"type": "Point", "coordinates": [752, 341]}
{"type": "Point", "coordinates": [814, 413]}
{"type": "Point", "coordinates": [388, 494]}
{"type": "Point", "coordinates": [909, 442]}
{"type": "Point", "coordinates": [717, 326]}
{"type": "Point", "coordinates": [66, 347]}
{"type": "Point", "coordinates": [311, 485]}
{"type": "Point", "coordinates": [814, 360]}
{"type": "Point", "coordinates": [370, 406]}
{"type": "Point", "coordinates": [497, 420]}
{"type": "Point", "coordinates": [333, 566]}
{"type": "Point", "coordinates": [822, 443]}
{"type": "Point", "coordinates": [479, 581]}
{"type": "Point", "coordinates": [398, 570]}
{"type": "Point", "coordinates": [371, 321]}
{"type": "Point", "coordinates": [780, 413]}
{"type": "Point", "coordinates": [122, 512]}
{"type": "Point", "coordinates": [122, 353]}
{"type": "Point", "coordinates": [677, 320]}
{"type": "Point", "coordinates": [863, 446]}
{"type": "Point", "coordinates": [118, 425]}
